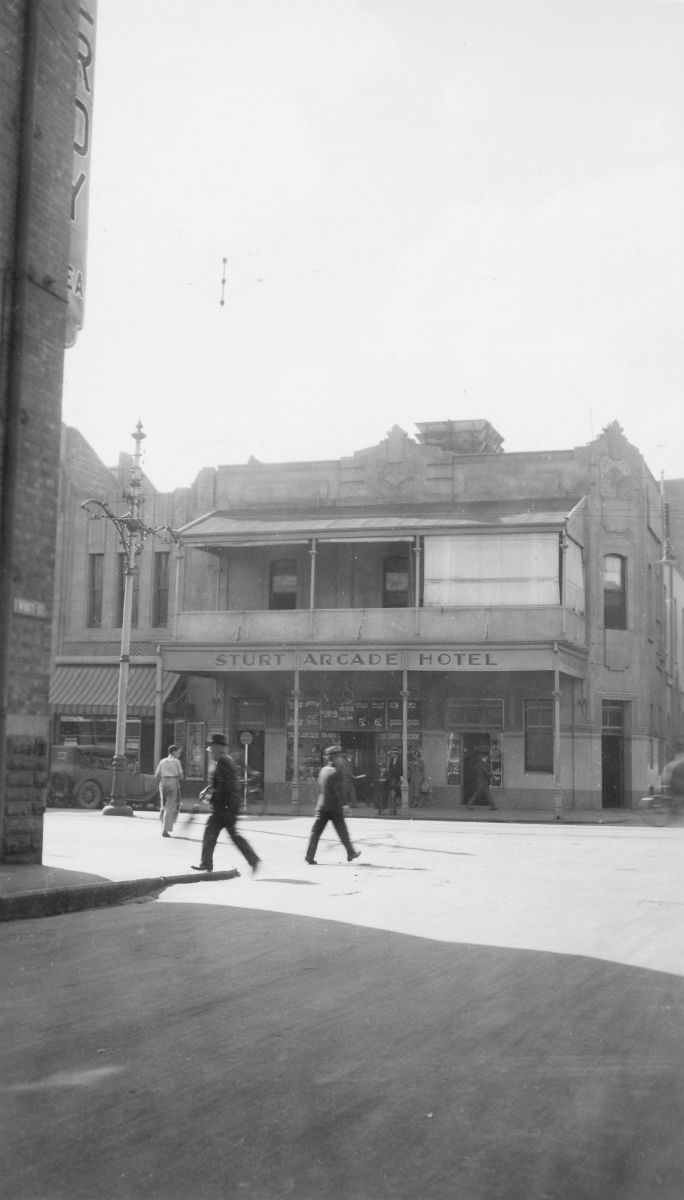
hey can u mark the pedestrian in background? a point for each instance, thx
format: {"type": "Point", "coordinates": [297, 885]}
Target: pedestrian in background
{"type": "Point", "coordinates": [223, 793]}
{"type": "Point", "coordinates": [416, 774]}
{"type": "Point", "coordinates": [394, 778]}
{"type": "Point", "coordinates": [348, 779]}
{"type": "Point", "coordinates": [169, 772]}
{"type": "Point", "coordinates": [482, 781]}
{"type": "Point", "coordinates": [330, 807]}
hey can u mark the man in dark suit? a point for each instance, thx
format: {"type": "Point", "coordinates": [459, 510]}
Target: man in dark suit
{"type": "Point", "coordinates": [482, 781]}
{"type": "Point", "coordinates": [394, 777]}
{"type": "Point", "coordinates": [223, 794]}
{"type": "Point", "coordinates": [330, 807]}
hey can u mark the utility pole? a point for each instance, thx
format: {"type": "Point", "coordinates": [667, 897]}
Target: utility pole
{"type": "Point", "coordinates": [133, 533]}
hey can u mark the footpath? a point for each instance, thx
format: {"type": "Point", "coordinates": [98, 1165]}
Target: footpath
{"type": "Point", "coordinates": [90, 860]}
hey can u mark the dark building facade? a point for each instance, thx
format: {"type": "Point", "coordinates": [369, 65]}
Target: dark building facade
{"type": "Point", "coordinates": [40, 50]}
{"type": "Point", "coordinates": [430, 593]}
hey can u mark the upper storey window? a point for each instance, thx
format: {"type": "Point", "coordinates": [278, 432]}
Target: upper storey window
{"type": "Point", "coordinates": [160, 589]}
{"type": "Point", "coordinates": [283, 584]}
{"type": "Point", "coordinates": [94, 598]}
{"type": "Point", "coordinates": [395, 582]}
{"type": "Point", "coordinates": [121, 560]}
{"type": "Point", "coordinates": [615, 592]}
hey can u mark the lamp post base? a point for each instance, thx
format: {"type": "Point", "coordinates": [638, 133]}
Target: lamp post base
{"type": "Point", "coordinates": [117, 805]}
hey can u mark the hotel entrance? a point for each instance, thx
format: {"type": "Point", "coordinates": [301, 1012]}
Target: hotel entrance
{"type": "Point", "coordinates": [362, 751]}
{"type": "Point", "coordinates": [464, 751]}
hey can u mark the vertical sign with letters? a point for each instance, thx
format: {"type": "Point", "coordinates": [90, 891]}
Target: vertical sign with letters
{"type": "Point", "coordinates": [80, 180]}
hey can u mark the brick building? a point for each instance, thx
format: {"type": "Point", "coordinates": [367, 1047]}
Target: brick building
{"type": "Point", "coordinates": [429, 593]}
{"type": "Point", "coordinates": [37, 101]}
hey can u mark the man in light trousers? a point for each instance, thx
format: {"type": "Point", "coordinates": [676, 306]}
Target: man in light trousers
{"type": "Point", "coordinates": [170, 774]}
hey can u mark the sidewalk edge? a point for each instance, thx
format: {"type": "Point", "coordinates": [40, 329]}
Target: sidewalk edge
{"type": "Point", "coordinates": [55, 902]}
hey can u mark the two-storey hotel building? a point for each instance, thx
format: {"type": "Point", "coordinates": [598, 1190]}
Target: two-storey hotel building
{"type": "Point", "coordinates": [428, 593]}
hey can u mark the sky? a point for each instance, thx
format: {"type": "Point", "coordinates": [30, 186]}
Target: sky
{"type": "Point", "coordinates": [429, 210]}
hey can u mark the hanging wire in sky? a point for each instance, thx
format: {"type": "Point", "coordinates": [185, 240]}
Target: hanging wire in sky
{"type": "Point", "coordinates": [223, 283]}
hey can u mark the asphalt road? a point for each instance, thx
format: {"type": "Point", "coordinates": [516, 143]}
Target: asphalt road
{"type": "Point", "coordinates": [465, 1013]}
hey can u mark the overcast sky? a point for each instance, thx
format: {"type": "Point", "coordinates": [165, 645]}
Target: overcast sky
{"type": "Point", "coordinates": [429, 209]}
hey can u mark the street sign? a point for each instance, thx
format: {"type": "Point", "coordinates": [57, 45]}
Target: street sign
{"type": "Point", "coordinates": [246, 739]}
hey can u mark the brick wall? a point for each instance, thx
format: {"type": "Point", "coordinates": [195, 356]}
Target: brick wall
{"type": "Point", "coordinates": [42, 355]}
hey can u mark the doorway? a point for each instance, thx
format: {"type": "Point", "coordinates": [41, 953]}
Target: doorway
{"type": "Point", "coordinates": [613, 754]}
{"type": "Point", "coordinates": [612, 771]}
{"type": "Point", "coordinates": [475, 746]}
{"type": "Point", "coordinates": [360, 747]}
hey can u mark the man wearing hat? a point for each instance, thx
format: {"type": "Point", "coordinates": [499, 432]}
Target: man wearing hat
{"type": "Point", "coordinates": [394, 777]}
{"type": "Point", "coordinates": [330, 807]}
{"type": "Point", "coordinates": [223, 794]}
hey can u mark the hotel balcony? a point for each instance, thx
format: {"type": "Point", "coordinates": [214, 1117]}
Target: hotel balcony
{"type": "Point", "coordinates": [341, 626]}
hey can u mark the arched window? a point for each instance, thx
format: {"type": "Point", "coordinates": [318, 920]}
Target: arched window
{"type": "Point", "coordinates": [283, 584]}
{"type": "Point", "coordinates": [614, 591]}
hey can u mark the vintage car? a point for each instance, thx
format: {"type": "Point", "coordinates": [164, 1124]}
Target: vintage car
{"type": "Point", "coordinates": [81, 777]}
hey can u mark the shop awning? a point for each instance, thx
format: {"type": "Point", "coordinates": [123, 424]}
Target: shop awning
{"type": "Point", "coordinates": [93, 690]}
{"type": "Point", "coordinates": [219, 528]}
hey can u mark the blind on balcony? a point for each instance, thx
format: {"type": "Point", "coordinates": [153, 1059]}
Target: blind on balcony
{"type": "Point", "coordinates": [470, 570]}
{"type": "Point", "coordinates": [574, 578]}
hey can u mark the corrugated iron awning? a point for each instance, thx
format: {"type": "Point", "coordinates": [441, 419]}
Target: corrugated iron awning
{"type": "Point", "coordinates": [221, 528]}
{"type": "Point", "coordinates": [94, 689]}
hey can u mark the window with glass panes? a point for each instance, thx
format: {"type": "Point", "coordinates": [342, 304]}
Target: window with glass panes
{"type": "Point", "coordinates": [120, 590]}
{"type": "Point", "coordinates": [396, 582]}
{"type": "Point", "coordinates": [160, 589]}
{"type": "Point", "coordinates": [614, 592]}
{"type": "Point", "coordinates": [95, 576]}
{"type": "Point", "coordinates": [539, 736]}
{"type": "Point", "coordinates": [283, 584]}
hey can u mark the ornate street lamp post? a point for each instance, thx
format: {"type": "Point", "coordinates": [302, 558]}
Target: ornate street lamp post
{"type": "Point", "coordinates": [133, 533]}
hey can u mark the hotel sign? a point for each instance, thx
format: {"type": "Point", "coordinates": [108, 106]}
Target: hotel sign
{"type": "Point", "coordinates": [352, 658]}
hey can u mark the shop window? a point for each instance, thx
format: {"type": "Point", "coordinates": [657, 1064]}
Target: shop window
{"type": "Point", "coordinates": [395, 582]}
{"type": "Point", "coordinates": [95, 575]}
{"type": "Point", "coordinates": [474, 714]}
{"type": "Point", "coordinates": [614, 592]}
{"type": "Point", "coordinates": [539, 736]}
{"type": "Point", "coordinates": [120, 590]}
{"type": "Point", "coordinates": [283, 585]}
{"type": "Point", "coordinates": [160, 589]}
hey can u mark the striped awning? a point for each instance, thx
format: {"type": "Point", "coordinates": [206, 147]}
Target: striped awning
{"type": "Point", "coordinates": [93, 690]}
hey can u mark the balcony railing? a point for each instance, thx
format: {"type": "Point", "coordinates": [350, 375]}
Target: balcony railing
{"type": "Point", "coordinates": [382, 625]}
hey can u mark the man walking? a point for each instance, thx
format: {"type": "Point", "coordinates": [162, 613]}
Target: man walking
{"type": "Point", "coordinates": [170, 774]}
{"type": "Point", "coordinates": [223, 794]}
{"type": "Point", "coordinates": [394, 778]}
{"type": "Point", "coordinates": [330, 807]}
{"type": "Point", "coordinates": [482, 781]}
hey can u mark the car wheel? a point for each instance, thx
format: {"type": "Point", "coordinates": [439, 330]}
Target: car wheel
{"type": "Point", "coordinates": [89, 794]}
{"type": "Point", "coordinates": [59, 790]}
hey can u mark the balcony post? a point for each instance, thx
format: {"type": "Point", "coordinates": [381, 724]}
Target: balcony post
{"type": "Point", "coordinates": [557, 791]}
{"type": "Point", "coordinates": [404, 740]}
{"type": "Point", "coordinates": [563, 583]}
{"type": "Point", "coordinates": [295, 744]}
{"type": "Point", "coordinates": [417, 587]}
{"type": "Point", "coordinates": [313, 551]}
